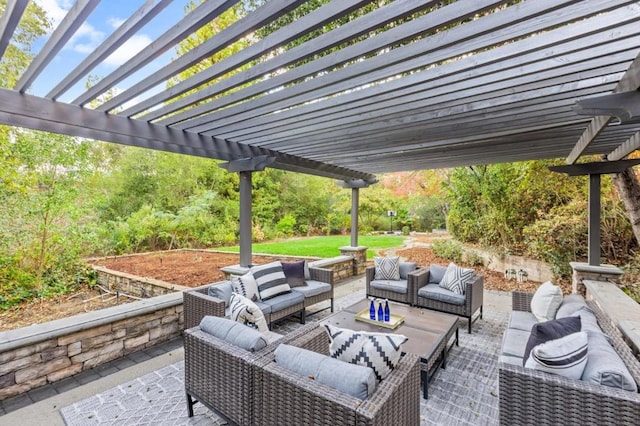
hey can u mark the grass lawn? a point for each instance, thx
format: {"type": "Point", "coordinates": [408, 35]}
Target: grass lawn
{"type": "Point", "coordinates": [322, 246]}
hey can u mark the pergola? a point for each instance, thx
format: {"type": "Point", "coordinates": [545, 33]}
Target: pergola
{"type": "Point", "coordinates": [410, 85]}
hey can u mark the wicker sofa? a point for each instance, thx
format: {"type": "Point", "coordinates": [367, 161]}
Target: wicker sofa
{"type": "Point", "coordinates": [532, 397]}
{"type": "Point", "coordinates": [198, 303]}
{"type": "Point", "coordinates": [288, 398]}
{"type": "Point", "coordinates": [427, 294]}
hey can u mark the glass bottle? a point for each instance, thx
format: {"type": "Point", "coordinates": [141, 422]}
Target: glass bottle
{"type": "Point", "coordinates": [372, 310]}
{"type": "Point", "coordinates": [387, 313]}
{"type": "Point", "coordinates": [380, 312]}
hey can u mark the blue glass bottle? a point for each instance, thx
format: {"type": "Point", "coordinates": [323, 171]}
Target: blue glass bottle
{"type": "Point", "coordinates": [380, 312]}
{"type": "Point", "coordinates": [387, 313]}
{"type": "Point", "coordinates": [372, 310]}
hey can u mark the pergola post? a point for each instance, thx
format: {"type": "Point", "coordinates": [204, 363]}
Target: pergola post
{"type": "Point", "coordinates": [594, 220]}
{"type": "Point", "coordinates": [245, 167]}
{"type": "Point", "coordinates": [355, 199]}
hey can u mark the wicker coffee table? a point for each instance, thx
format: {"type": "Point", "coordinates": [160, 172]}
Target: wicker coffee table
{"type": "Point", "coordinates": [431, 334]}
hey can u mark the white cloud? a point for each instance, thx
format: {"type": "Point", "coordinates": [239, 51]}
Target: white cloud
{"type": "Point", "coordinates": [86, 38]}
{"type": "Point", "coordinates": [128, 50]}
{"type": "Point", "coordinates": [115, 22]}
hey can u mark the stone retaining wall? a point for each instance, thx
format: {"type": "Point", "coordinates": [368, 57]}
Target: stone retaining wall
{"type": "Point", "coordinates": [134, 285]}
{"type": "Point", "coordinates": [33, 356]}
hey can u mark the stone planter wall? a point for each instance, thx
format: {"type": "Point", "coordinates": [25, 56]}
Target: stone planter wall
{"type": "Point", "coordinates": [134, 285]}
{"type": "Point", "coordinates": [33, 356]}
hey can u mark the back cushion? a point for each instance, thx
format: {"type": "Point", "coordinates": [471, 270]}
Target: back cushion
{"type": "Point", "coordinates": [436, 273]}
{"type": "Point", "coordinates": [406, 268]}
{"type": "Point", "coordinates": [221, 291]}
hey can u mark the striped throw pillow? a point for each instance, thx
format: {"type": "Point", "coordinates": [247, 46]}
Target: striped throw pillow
{"type": "Point", "coordinates": [271, 280]}
{"type": "Point", "coordinates": [566, 356]}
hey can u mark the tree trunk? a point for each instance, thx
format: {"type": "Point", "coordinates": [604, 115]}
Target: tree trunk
{"type": "Point", "coordinates": [628, 189]}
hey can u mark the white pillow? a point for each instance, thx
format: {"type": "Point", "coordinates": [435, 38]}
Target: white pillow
{"type": "Point", "coordinates": [379, 351]}
{"type": "Point", "coordinates": [546, 301]}
{"type": "Point", "coordinates": [246, 312]}
{"type": "Point", "coordinates": [455, 278]}
{"type": "Point", "coordinates": [245, 285]}
{"type": "Point", "coordinates": [387, 268]}
{"type": "Point", "coordinates": [566, 356]}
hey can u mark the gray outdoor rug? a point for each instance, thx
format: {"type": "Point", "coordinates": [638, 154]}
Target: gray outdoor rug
{"type": "Point", "coordinates": [463, 394]}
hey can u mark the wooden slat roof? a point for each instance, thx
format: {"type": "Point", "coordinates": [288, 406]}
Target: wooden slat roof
{"type": "Point", "coordinates": [432, 86]}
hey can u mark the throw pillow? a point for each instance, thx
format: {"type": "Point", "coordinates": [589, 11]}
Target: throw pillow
{"type": "Point", "coordinates": [245, 285]}
{"type": "Point", "coordinates": [234, 333]}
{"type": "Point", "coordinates": [550, 330]}
{"type": "Point", "coordinates": [379, 351]}
{"type": "Point", "coordinates": [387, 268]}
{"type": "Point", "coordinates": [294, 271]}
{"type": "Point", "coordinates": [566, 356]}
{"type": "Point", "coordinates": [271, 280]}
{"type": "Point", "coordinates": [546, 301]}
{"type": "Point", "coordinates": [455, 278]}
{"type": "Point", "coordinates": [246, 312]}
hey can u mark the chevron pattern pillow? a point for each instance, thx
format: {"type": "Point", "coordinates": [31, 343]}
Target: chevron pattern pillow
{"type": "Point", "coordinates": [246, 312]}
{"type": "Point", "coordinates": [455, 278]}
{"type": "Point", "coordinates": [387, 268]}
{"type": "Point", "coordinates": [379, 351]}
{"type": "Point", "coordinates": [245, 285]}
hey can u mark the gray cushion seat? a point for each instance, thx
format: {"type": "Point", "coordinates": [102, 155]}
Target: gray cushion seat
{"type": "Point", "coordinates": [397, 286]}
{"type": "Point", "coordinates": [435, 292]}
{"type": "Point", "coordinates": [312, 288]}
{"type": "Point", "coordinates": [280, 302]}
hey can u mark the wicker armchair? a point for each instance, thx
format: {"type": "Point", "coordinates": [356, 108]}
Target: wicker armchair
{"type": "Point", "coordinates": [474, 296]}
{"type": "Point", "coordinates": [198, 304]}
{"type": "Point", "coordinates": [408, 297]}
{"type": "Point", "coordinates": [533, 397]}
{"type": "Point", "coordinates": [288, 398]}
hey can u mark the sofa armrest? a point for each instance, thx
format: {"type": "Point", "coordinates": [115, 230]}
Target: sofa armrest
{"type": "Point", "coordinates": [369, 273]}
{"type": "Point", "coordinates": [321, 274]}
{"type": "Point", "coordinates": [475, 293]}
{"type": "Point", "coordinates": [521, 301]}
{"type": "Point", "coordinates": [198, 304]}
{"type": "Point", "coordinates": [415, 280]}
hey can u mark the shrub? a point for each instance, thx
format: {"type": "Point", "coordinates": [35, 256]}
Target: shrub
{"type": "Point", "coordinates": [405, 230]}
{"type": "Point", "coordinates": [473, 258]}
{"type": "Point", "coordinates": [448, 249]}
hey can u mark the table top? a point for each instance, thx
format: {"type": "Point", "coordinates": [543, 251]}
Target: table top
{"type": "Point", "coordinates": [425, 329]}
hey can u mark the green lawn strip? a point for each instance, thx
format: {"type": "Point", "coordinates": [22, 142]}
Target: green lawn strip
{"type": "Point", "coordinates": [322, 246]}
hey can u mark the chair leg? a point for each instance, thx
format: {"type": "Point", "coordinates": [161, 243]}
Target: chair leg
{"type": "Point", "coordinates": [470, 322]}
{"type": "Point", "coordinates": [481, 311]}
{"type": "Point", "coordinates": [332, 305]}
{"type": "Point", "coordinates": [303, 316]}
{"type": "Point", "coordinates": [189, 405]}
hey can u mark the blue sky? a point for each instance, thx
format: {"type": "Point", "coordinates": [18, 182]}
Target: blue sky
{"type": "Point", "coordinates": [107, 16]}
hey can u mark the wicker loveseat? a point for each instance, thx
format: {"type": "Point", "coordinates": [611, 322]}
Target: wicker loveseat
{"type": "Point", "coordinates": [531, 397]}
{"type": "Point", "coordinates": [428, 295]}
{"type": "Point", "coordinates": [288, 398]}
{"type": "Point", "coordinates": [198, 303]}
{"type": "Point", "coordinates": [401, 290]}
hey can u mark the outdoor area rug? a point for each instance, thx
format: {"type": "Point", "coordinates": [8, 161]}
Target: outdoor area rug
{"type": "Point", "coordinates": [463, 394]}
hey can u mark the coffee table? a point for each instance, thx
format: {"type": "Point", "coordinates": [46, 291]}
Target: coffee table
{"type": "Point", "coordinates": [430, 333]}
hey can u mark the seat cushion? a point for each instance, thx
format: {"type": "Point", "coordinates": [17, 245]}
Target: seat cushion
{"type": "Point", "coordinates": [294, 271]}
{"type": "Point", "coordinates": [233, 332]}
{"type": "Point", "coordinates": [436, 272]}
{"type": "Point", "coordinates": [221, 291]}
{"type": "Point", "coordinates": [397, 286]}
{"type": "Point", "coordinates": [566, 356]}
{"type": "Point", "coordinates": [380, 351]}
{"type": "Point", "coordinates": [456, 278]}
{"type": "Point", "coordinates": [244, 311]}
{"type": "Point", "coordinates": [271, 280]}
{"type": "Point", "coordinates": [283, 301]}
{"type": "Point", "coordinates": [514, 343]}
{"type": "Point", "coordinates": [521, 320]}
{"type": "Point", "coordinates": [435, 292]}
{"type": "Point", "coordinates": [313, 288]}
{"type": "Point", "coordinates": [406, 268]}
{"type": "Point", "coordinates": [387, 268]}
{"type": "Point", "coordinates": [546, 301]}
{"type": "Point", "coordinates": [352, 379]}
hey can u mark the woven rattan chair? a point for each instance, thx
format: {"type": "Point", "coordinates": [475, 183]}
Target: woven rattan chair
{"type": "Point", "coordinates": [288, 398]}
{"type": "Point", "coordinates": [225, 378]}
{"type": "Point", "coordinates": [474, 296]}
{"type": "Point", "coordinates": [408, 297]}
{"type": "Point", "coordinates": [533, 397]}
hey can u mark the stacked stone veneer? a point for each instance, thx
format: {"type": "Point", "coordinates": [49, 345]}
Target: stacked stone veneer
{"type": "Point", "coordinates": [583, 271]}
{"type": "Point", "coordinates": [142, 287]}
{"type": "Point", "coordinates": [33, 356]}
{"type": "Point", "coordinates": [359, 256]}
